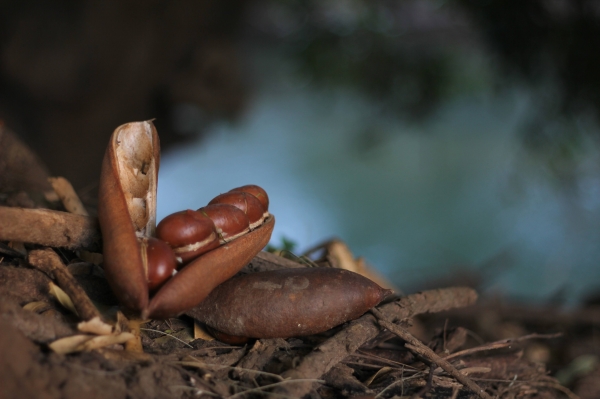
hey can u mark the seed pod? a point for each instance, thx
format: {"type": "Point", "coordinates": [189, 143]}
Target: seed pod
{"type": "Point", "coordinates": [287, 302]}
{"type": "Point", "coordinates": [189, 233]}
{"type": "Point", "coordinates": [126, 208]}
{"type": "Point", "coordinates": [159, 261]}
{"type": "Point", "coordinates": [247, 203]}
{"type": "Point", "coordinates": [231, 222]}
{"type": "Point", "coordinates": [258, 192]}
{"type": "Point", "coordinates": [127, 213]}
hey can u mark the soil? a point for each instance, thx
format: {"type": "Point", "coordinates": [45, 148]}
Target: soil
{"type": "Point", "coordinates": [358, 359]}
{"type": "Point", "coordinates": [440, 343]}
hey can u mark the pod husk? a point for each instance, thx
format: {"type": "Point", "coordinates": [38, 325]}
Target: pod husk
{"type": "Point", "coordinates": [122, 195]}
{"type": "Point", "coordinates": [288, 302]}
{"type": "Point", "coordinates": [127, 212]}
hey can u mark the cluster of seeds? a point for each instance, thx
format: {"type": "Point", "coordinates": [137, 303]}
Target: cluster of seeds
{"type": "Point", "coordinates": [183, 236]}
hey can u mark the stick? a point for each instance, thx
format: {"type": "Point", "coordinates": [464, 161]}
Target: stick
{"type": "Point", "coordinates": [365, 328]}
{"type": "Point", "coordinates": [67, 195]}
{"type": "Point", "coordinates": [417, 346]}
{"type": "Point", "coordinates": [47, 261]}
{"type": "Point", "coordinates": [49, 228]}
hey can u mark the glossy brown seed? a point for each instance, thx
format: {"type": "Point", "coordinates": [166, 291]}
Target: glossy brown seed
{"type": "Point", "coordinates": [194, 282]}
{"type": "Point", "coordinates": [231, 222]}
{"type": "Point", "coordinates": [287, 302]}
{"type": "Point", "coordinates": [258, 192]}
{"type": "Point", "coordinates": [189, 233]}
{"type": "Point", "coordinates": [159, 261]}
{"type": "Point", "coordinates": [247, 203]}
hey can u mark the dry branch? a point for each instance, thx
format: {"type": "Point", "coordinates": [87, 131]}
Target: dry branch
{"type": "Point", "coordinates": [67, 195]}
{"type": "Point", "coordinates": [47, 261]}
{"type": "Point", "coordinates": [347, 341]}
{"type": "Point", "coordinates": [49, 228]}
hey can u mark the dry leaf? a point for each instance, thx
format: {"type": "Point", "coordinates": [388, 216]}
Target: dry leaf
{"type": "Point", "coordinates": [69, 344]}
{"type": "Point", "coordinates": [341, 257]}
{"type": "Point", "coordinates": [122, 323]}
{"type": "Point", "coordinates": [95, 326]}
{"type": "Point", "coordinates": [201, 333]}
{"type": "Point", "coordinates": [106, 340]}
{"type": "Point", "coordinates": [37, 306]}
{"type": "Point", "coordinates": [84, 342]}
{"type": "Point", "coordinates": [62, 297]}
{"type": "Point", "coordinates": [381, 372]}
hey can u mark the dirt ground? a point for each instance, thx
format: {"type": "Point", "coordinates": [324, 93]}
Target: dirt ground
{"type": "Point", "coordinates": [440, 343]}
{"type": "Point", "coordinates": [510, 351]}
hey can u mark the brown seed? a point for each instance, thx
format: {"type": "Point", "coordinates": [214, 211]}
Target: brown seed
{"type": "Point", "coordinates": [230, 221]}
{"type": "Point", "coordinates": [194, 282]}
{"type": "Point", "coordinates": [159, 260]}
{"type": "Point", "coordinates": [258, 192]}
{"type": "Point", "coordinates": [287, 302]}
{"type": "Point", "coordinates": [247, 203]}
{"type": "Point", "coordinates": [189, 233]}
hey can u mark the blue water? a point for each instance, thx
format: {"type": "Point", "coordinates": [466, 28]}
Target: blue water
{"type": "Point", "coordinates": [457, 193]}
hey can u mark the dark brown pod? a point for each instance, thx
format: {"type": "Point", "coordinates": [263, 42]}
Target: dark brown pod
{"type": "Point", "coordinates": [288, 302]}
{"type": "Point", "coordinates": [189, 233]}
{"type": "Point", "coordinates": [247, 203]}
{"type": "Point", "coordinates": [159, 261]}
{"type": "Point", "coordinates": [231, 222]}
{"type": "Point", "coordinates": [258, 192]}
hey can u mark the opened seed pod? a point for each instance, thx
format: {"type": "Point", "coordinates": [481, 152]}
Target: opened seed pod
{"type": "Point", "coordinates": [127, 214]}
{"type": "Point", "coordinates": [288, 302]}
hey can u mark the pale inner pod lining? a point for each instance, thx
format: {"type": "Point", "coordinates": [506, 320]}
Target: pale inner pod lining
{"type": "Point", "coordinates": [138, 174]}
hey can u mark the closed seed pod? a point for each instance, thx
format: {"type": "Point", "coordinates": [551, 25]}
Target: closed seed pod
{"type": "Point", "coordinates": [288, 302]}
{"type": "Point", "coordinates": [247, 203]}
{"type": "Point", "coordinates": [231, 222]}
{"type": "Point", "coordinates": [258, 192]}
{"type": "Point", "coordinates": [127, 214]}
{"type": "Point", "coordinates": [189, 233]}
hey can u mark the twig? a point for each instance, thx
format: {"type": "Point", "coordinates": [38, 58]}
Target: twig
{"type": "Point", "coordinates": [276, 384]}
{"type": "Point", "coordinates": [365, 328]}
{"type": "Point", "coordinates": [168, 335]}
{"type": "Point", "coordinates": [47, 261]}
{"type": "Point", "coordinates": [49, 228]}
{"type": "Point", "coordinates": [67, 195]}
{"type": "Point", "coordinates": [198, 364]}
{"type": "Point", "coordinates": [416, 346]}
{"type": "Point", "coordinates": [196, 391]}
{"type": "Point", "coordinates": [501, 344]}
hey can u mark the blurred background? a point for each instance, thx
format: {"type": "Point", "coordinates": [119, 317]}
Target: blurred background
{"type": "Point", "coordinates": [447, 142]}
